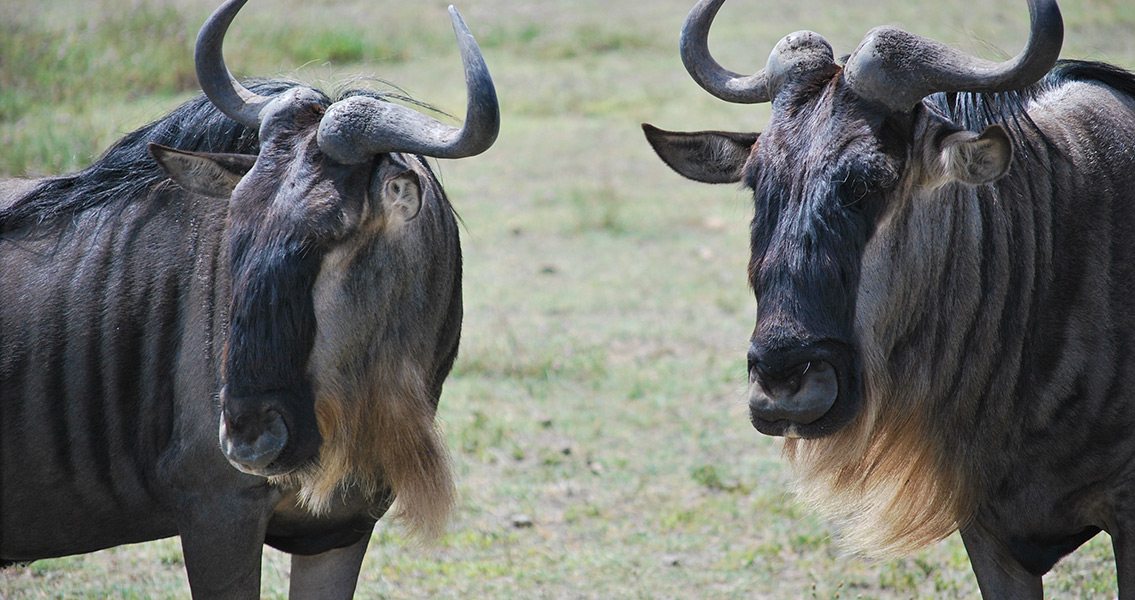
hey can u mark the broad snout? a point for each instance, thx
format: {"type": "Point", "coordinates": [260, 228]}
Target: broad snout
{"type": "Point", "coordinates": [802, 392]}
{"type": "Point", "coordinates": [259, 435]}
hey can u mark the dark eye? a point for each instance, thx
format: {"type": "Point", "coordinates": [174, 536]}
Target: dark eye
{"type": "Point", "coordinates": [854, 188]}
{"type": "Point", "coordinates": [860, 183]}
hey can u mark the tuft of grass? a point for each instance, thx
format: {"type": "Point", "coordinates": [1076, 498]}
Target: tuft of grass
{"type": "Point", "coordinates": [480, 436]}
{"type": "Point", "coordinates": [711, 479]}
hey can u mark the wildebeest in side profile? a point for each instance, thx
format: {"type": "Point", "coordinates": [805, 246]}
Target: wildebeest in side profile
{"type": "Point", "coordinates": [943, 257]}
{"type": "Point", "coordinates": [289, 307]}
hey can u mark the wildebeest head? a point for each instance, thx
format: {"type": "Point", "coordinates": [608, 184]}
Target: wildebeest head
{"type": "Point", "coordinates": [845, 147]}
{"type": "Point", "coordinates": [335, 186]}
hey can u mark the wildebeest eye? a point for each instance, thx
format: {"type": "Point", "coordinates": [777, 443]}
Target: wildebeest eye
{"type": "Point", "coordinates": [853, 188]}
{"type": "Point", "coordinates": [858, 183]}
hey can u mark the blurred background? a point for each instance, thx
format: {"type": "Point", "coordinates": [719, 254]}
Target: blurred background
{"type": "Point", "coordinates": [596, 414]}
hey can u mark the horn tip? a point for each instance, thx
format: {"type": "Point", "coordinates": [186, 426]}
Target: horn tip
{"type": "Point", "coordinates": [459, 26]}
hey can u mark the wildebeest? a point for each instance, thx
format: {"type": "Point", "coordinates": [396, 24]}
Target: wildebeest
{"type": "Point", "coordinates": [289, 307]}
{"type": "Point", "coordinates": [943, 258]}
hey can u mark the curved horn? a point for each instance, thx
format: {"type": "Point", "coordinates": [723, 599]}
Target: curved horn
{"type": "Point", "coordinates": [797, 53]}
{"type": "Point", "coordinates": [357, 128]}
{"type": "Point", "coordinates": [899, 69]}
{"type": "Point", "coordinates": [707, 72]}
{"type": "Point", "coordinates": [216, 81]}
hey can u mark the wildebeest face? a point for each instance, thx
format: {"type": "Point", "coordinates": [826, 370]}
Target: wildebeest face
{"type": "Point", "coordinates": [291, 206]}
{"type": "Point", "coordinates": [326, 246]}
{"type": "Point", "coordinates": [847, 143]}
{"type": "Point", "coordinates": [820, 175]}
{"type": "Point", "coordinates": [824, 175]}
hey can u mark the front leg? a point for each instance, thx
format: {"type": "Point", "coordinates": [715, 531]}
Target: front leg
{"type": "Point", "coordinates": [1123, 542]}
{"type": "Point", "coordinates": [332, 574]}
{"type": "Point", "coordinates": [999, 575]}
{"type": "Point", "coordinates": [222, 539]}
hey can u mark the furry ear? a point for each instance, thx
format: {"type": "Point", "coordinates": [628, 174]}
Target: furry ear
{"type": "Point", "coordinates": [977, 159]}
{"type": "Point", "coordinates": [212, 175]}
{"type": "Point", "coordinates": [705, 156]}
{"type": "Point", "coordinates": [402, 196]}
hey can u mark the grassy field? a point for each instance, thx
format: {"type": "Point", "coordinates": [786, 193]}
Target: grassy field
{"type": "Point", "coordinates": [597, 412]}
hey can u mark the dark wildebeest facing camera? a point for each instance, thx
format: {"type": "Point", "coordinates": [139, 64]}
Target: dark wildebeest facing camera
{"type": "Point", "coordinates": [942, 256]}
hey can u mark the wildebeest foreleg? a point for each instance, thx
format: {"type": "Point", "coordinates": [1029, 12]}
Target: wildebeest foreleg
{"type": "Point", "coordinates": [331, 575]}
{"type": "Point", "coordinates": [1123, 542]}
{"type": "Point", "coordinates": [999, 575]}
{"type": "Point", "coordinates": [222, 539]}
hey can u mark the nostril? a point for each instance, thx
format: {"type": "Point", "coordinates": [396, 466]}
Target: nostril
{"type": "Point", "coordinates": [786, 382]}
{"type": "Point", "coordinates": [237, 423]}
{"type": "Point", "coordinates": [251, 424]}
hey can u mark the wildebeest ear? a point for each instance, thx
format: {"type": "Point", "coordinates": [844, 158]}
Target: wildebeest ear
{"type": "Point", "coordinates": [213, 175]}
{"type": "Point", "coordinates": [705, 156]}
{"type": "Point", "coordinates": [977, 159]}
{"type": "Point", "coordinates": [402, 196]}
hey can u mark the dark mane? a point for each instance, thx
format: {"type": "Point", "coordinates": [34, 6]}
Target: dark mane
{"type": "Point", "coordinates": [127, 172]}
{"type": "Point", "coordinates": [976, 111]}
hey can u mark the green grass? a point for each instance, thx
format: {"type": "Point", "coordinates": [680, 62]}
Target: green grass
{"type": "Point", "coordinates": [600, 386]}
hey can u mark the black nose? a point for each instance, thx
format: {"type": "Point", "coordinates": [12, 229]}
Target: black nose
{"type": "Point", "coordinates": [253, 439]}
{"type": "Point", "coordinates": [780, 382]}
{"type": "Point", "coordinates": [250, 424]}
{"type": "Point", "coordinates": [777, 367]}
